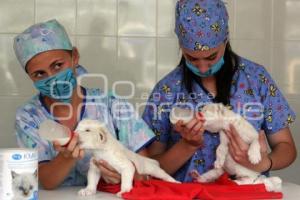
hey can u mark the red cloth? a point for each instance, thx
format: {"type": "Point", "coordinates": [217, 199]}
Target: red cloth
{"type": "Point", "coordinates": [222, 189]}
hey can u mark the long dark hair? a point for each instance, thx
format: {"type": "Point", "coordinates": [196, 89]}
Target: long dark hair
{"type": "Point", "coordinates": [223, 77]}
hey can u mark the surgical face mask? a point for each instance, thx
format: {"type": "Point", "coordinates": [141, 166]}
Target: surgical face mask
{"type": "Point", "coordinates": [59, 86]}
{"type": "Point", "coordinates": [210, 72]}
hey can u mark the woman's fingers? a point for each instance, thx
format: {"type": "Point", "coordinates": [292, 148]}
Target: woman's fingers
{"type": "Point", "coordinates": [108, 173]}
{"type": "Point", "coordinates": [193, 128]}
{"type": "Point", "coordinates": [231, 151]}
{"type": "Point", "coordinates": [106, 165]}
{"type": "Point", "coordinates": [196, 129]}
{"type": "Point", "coordinates": [179, 126]}
{"type": "Point", "coordinates": [232, 142]}
{"type": "Point", "coordinates": [192, 132]}
{"type": "Point", "coordinates": [72, 150]}
{"type": "Point", "coordinates": [191, 124]}
{"type": "Point", "coordinates": [198, 137]}
{"type": "Point", "coordinates": [81, 154]}
{"type": "Point", "coordinates": [240, 144]}
{"type": "Point", "coordinates": [73, 143]}
{"type": "Point", "coordinates": [200, 116]}
{"type": "Point", "coordinates": [263, 141]}
{"type": "Point", "coordinates": [111, 180]}
{"type": "Point", "coordinates": [61, 149]}
{"type": "Point", "coordinates": [57, 146]}
{"type": "Point", "coordinates": [75, 153]}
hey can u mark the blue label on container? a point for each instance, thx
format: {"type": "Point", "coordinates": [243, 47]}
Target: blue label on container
{"type": "Point", "coordinates": [16, 156]}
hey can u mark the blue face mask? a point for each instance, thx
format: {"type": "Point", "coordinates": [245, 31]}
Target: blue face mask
{"type": "Point", "coordinates": [59, 87]}
{"type": "Point", "coordinates": [211, 71]}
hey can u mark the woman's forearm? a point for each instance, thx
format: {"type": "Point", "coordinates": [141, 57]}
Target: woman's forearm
{"type": "Point", "coordinates": [283, 154]}
{"type": "Point", "coordinates": [52, 174]}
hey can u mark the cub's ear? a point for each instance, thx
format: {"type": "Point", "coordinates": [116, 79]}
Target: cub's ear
{"type": "Point", "coordinates": [35, 173]}
{"type": "Point", "coordinates": [220, 106]}
{"type": "Point", "coordinates": [102, 134]}
{"type": "Point", "coordinates": [13, 174]}
{"type": "Point", "coordinates": [221, 109]}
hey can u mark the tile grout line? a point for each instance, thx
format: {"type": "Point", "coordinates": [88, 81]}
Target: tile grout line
{"type": "Point", "coordinates": [117, 32]}
{"type": "Point", "coordinates": [76, 23]}
{"type": "Point", "coordinates": [34, 11]}
{"type": "Point", "coordinates": [272, 46]}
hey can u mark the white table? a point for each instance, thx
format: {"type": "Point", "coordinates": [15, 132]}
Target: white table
{"type": "Point", "coordinates": [70, 193]}
{"type": "Point", "coordinates": [291, 191]}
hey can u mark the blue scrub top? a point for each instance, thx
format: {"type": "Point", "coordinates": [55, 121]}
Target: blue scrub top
{"type": "Point", "coordinates": [116, 113]}
{"type": "Point", "coordinates": [253, 95]}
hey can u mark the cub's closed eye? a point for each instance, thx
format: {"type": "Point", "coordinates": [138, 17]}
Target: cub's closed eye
{"type": "Point", "coordinates": [87, 130]}
{"type": "Point", "coordinates": [211, 58]}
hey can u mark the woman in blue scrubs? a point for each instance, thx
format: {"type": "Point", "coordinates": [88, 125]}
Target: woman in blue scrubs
{"type": "Point", "coordinates": [46, 54]}
{"type": "Point", "coordinates": [211, 72]}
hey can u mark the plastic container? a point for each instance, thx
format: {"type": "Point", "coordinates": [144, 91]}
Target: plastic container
{"type": "Point", "coordinates": [18, 174]}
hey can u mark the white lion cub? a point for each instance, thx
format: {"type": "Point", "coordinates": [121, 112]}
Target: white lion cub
{"type": "Point", "coordinates": [95, 136]}
{"type": "Point", "coordinates": [217, 120]}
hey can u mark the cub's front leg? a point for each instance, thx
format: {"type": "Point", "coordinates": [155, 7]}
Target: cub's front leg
{"type": "Point", "coordinates": [127, 173]}
{"type": "Point", "coordinates": [222, 150]}
{"type": "Point", "coordinates": [92, 179]}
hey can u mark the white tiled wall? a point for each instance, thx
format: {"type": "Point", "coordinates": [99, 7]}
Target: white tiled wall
{"type": "Point", "coordinates": [134, 40]}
